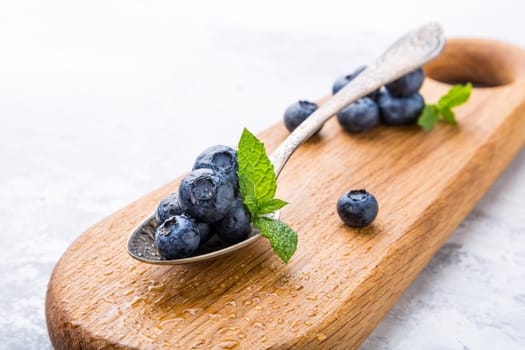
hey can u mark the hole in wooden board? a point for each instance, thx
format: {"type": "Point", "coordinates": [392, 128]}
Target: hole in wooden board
{"type": "Point", "coordinates": [464, 61]}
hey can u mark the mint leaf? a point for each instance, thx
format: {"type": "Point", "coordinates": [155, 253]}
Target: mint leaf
{"type": "Point", "coordinates": [255, 168]}
{"type": "Point", "coordinates": [282, 238]}
{"type": "Point", "coordinates": [456, 96]}
{"type": "Point", "coordinates": [448, 116]}
{"type": "Point", "coordinates": [271, 206]}
{"type": "Point", "coordinates": [429, 117]}
{"type": "Point", "coordinates": [247, 189]}
{"type": "Point", "coordinates": [257, 184]}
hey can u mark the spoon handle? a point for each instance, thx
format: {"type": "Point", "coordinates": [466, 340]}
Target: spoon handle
{"type": "Point", "coordinates": [407, 54]}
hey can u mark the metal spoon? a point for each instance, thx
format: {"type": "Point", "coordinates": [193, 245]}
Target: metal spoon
{"type": "Point", "coordinates": [407, 54]}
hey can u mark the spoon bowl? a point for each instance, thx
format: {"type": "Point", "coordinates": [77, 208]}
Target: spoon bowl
{"type": "Point", "coordinates": [407, 54]}
{"type": "Point", "coordinates": [141, 244]}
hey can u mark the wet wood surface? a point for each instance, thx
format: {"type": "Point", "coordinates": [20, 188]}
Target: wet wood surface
{"type": "Point", "coordinates": [341, 281]}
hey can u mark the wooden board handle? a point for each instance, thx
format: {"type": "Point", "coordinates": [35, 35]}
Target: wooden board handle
{"type": "Point", "coordinates": [485, 63]}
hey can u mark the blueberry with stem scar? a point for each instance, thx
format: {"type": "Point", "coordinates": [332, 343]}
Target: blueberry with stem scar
{"type": "Point", "coordinates": [206, 195]}
{"type": "Point", "coordinates": [222, 159]}
{"type": "Point", "coordinates": [357, 208]}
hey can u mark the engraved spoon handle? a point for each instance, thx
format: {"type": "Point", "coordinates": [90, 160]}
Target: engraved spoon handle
{"type": "Point", "coordinates": [407, 54]}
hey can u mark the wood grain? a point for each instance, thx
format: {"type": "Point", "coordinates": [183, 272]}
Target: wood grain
{"type": "Point", "coordinates": [341, 281]}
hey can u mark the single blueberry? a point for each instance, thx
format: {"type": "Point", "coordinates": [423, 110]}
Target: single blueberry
{"type": "Point", "coordinates": [177, 237]}
{"type": "Point", "coordinates": [297, 113]}
{"type": "Point", "coordinates": [406, 85]}
{"type": "Point", "coordinates": [342, 81]}
{"type": "Point", "coordinates": [399, 110]}
{"type": "Point", "coordinates": [235, 226]}
{"type": "Point", "coordinates": [205, 232]}
{"type": "Point", "coordinates": [357, 208]}
{"type": "Point", "coordinates": [206, 195]}
{"type": "Point", "coordinates": [222, 159]}
{"type": "Point", "coordinates": [168, 207]}
{"type": "Point", "coordinates": [360, 116]}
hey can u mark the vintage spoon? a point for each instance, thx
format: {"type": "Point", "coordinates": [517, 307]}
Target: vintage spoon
{"type": "Point", "coordinates": [407, 54]}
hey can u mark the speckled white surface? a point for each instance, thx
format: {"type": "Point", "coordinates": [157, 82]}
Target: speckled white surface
{"type": "Point", "coordinates": [97, 97]}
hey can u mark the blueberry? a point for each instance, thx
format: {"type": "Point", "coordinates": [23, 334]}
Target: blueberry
{"type": "Point", "coordinates": [362, 115]}
{"type": "Point", "coordinates": [168, 207]}
{"type": "Point", "coordinates": [222, 159]}
{"type": "Point", "coordinates": [341, 82]}
{"type": "Point", "coordinates": [205, 232]}
{"type": "Point", "coordinates": [297, 113]}
{"type": "Point", "coordinates": [406, 85]}
{"type": "Point", "coordinates": [206, 195]}
{"type": "Point", "coordinates": [177, 237]}
{"type": "Point", "coordinates": [357, 208]}
{"type": "Point", "coordinates": [235, 226]}
{"type": "Point", "coordinates": [399, 110]}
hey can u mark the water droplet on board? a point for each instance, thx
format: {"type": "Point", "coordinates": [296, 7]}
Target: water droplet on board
{"type": "Point", "coordinates": [128, 292]}
{"type": "Point", "coordinates": [191, 312]}
{"type": "Point", "coordinates": [156, 288]}
{"type": "Point", "coordinates": [258, 308]}
{"type": "Point", "coordinates": [136, 301]}
{"type": "Point", "coordinates": [232, 316]}
{"type": "Point", "coordinates": [199, 344]}
{"type": "Point", "coordinates": [295, 325]}
{"type": "Point", "coordinates": [228, 344]}
{"type": "Point", "coordinates": [312, 314]}
{"type": "Point", "coordinates": [215, 317]}
{"type": "Point", "coordinates": [321, 337]}
{"type": "Point", "coordinates": [258, 325]}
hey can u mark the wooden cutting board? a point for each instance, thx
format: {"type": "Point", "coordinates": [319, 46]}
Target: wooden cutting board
{"type": "Point", "coordinates": [341, 281]}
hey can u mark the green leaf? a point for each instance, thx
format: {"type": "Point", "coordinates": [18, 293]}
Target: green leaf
{"type": "Point", "coordinates": [282, 238]}
{"type": "Point", "coordinates": [448, 116]}
{"type": "Point", "coordinates": [257, 184]}
{"type": "Point", "coordinates": [271, 205]}
{"type": "Point", "coordinates": [456, 96]}
{"type": "Point", "coordinates": [256, 172]}
{"type": "Point", "coordinates": [247, 189]}
{"type": "Point", "coordinates": [429, 117]}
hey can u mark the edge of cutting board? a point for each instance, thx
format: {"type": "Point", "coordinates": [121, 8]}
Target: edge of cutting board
{"type": "Point", "coordinates": [342, 281]}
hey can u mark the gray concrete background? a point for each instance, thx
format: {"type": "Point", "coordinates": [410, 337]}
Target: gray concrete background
{"type": "Point", "coordinates": [97, 100]}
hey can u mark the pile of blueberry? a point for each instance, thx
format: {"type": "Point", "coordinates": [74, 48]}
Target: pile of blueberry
{"type": "Point", "coordinates": [208, 202]}
{"type": "Point", "coordinates": [398, 103]}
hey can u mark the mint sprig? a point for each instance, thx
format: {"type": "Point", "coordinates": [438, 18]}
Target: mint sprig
{"type": "Point", "coordinates": [431, 114]}
{"type": "Point", "coordinates": [258, 185]}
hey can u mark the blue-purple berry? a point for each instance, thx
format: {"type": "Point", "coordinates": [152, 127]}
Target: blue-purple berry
{"type": "Point", "coordinates": [297, 113]}
{"type": "Point", "coordinates": [407, 85]}
{"type": "Point", "coordinates": [177, 237]}
{"type": "Point", "coordinates": [342, 81]}
{"type": "Point", "coordinates": [236, 225]}
{"type": "Point", "coordinates": [360, 116]}
{"type": "Point", "coordinates": [168, 207]}
{"type": "Point", "coordinates": [399, 110]}
{"type": "Point", "coordinates": [357, 208]}
{"type": "Point", "coordinates": [206, 195]}
{"type": "Point", "coordinates": [221, 159]}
